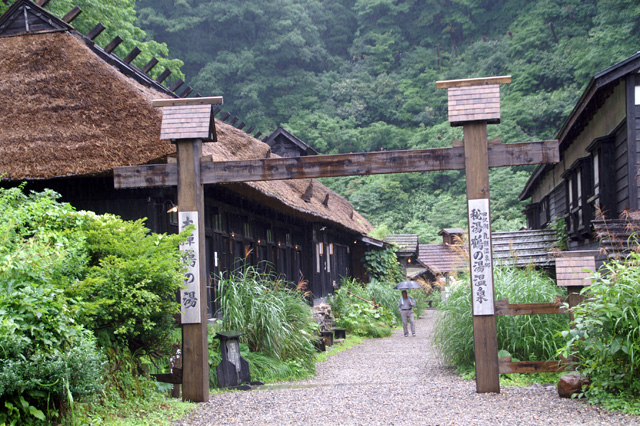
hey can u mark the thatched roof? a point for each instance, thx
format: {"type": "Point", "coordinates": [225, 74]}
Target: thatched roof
{"type": "Point", "coordinates": [67, 112]}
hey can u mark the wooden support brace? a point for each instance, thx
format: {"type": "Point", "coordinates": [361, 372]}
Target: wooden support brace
{"type": "Point", "coordinates": [113, 44]}
{"type": "Point", "coordinates": [132, 55]}
{"type": "Point", "coordinates": [176, 84]}
{"type": "Point", "coordinates": [186, 92]}
{"type": "Point", "coordinates": [72, 14]}
{"type": "Point", "coordinates": [241, 125]}
{"type": "Point", "coordinates": [96, 31]}
{"type": "Point", "coordinates": [162, 77]}
{"type": "Point", "coordinates": [149, 66]}
{"type": "Point", "coordinates": [42, 3]}
{"type": "Point", "coordinates": [506, 366]}
{"type": "Point", "coordinates": [503, 307]}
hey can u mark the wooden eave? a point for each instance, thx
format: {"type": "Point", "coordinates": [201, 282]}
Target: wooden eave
{"type": "Point", "coordinates": [593, 97]}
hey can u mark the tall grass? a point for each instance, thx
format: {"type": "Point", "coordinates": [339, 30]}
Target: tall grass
{"type": "Point", "coordinates": [273, 317]}
{"type": "Point", "coordinates": [525, 337]}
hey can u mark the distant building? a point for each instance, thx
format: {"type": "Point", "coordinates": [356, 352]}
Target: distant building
{"type": "Point", "coordinates": [285, 144]}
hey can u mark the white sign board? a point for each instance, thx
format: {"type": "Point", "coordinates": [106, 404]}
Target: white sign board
{"type": "Point", "coordinates": [190, 294]}
{"type": "Point", "coordinates": [480, 257]}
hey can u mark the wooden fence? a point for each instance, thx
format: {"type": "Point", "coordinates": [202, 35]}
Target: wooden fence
{"type": "Point", "coordinates": [505, 365]}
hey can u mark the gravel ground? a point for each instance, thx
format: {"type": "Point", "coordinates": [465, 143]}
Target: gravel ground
{"type": "Point", "coordinates": [395, 381]}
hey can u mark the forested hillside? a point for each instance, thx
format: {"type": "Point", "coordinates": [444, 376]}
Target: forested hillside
{"type": "Point", "coordinates": [359, 75]}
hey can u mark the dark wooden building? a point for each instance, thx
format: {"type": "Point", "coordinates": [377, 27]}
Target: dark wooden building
{"type": "Point", "coordinates": [285, 144]}
{"type": "Point", "coordinates": [72, 112]}
{"type": "Point", "coordinates": [596, 179]}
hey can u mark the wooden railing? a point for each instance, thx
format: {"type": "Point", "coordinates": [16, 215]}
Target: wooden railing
{"type": "Point", "coordinates": [505, 365]}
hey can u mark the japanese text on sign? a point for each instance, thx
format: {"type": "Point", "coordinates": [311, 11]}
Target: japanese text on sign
{"type": "Point", "coordinates": [190, 293]}
{"type": "Point", "coordinates": [480, 257]}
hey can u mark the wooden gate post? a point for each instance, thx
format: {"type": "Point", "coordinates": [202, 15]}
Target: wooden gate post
{"type": "Point", "coordinates": [472, 104]}
{"type": "Point", "coordinates": [187, 122]}
{"type": "Point", "coordinates": [485, 340]}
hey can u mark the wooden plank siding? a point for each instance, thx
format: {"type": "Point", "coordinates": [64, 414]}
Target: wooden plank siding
{"type": "Point", "coordinates": [621, 170]}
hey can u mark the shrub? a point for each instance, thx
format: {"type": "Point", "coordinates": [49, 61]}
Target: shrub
{"type": "Point", "coordinates": [360, 317]}
{"type": "Point", "coordinates": [128, 292]}
{"type": "Point", "coordinates": [63, 276]}
{"type": "Point", "coordinates": [45, 357]}
{"type": "Point", "coordinates": [606, 332]}
{"type": "Point", "coordinates": [526, 337]}
{"type": "Point", "coordinates": [274, 318]}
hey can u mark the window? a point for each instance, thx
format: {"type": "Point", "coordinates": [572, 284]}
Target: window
{"type": "Point", "coordinates": [579, 181]}
{"type": "Point", "coordinates": [603, 165]}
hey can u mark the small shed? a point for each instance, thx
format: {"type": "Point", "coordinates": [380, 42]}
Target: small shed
{"type": "Point", "coordinates": [285, 144]}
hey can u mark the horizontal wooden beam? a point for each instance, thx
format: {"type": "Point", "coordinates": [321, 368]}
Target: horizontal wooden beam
{"type": "Point", "coordinates": [503, 307]}
{"type": "Point", "coordinates": [358, 164]}
{"type": "Point", "coordinates": [146, 176]}
{"type": "Point", "coordinates": [466, 82]}
{"type": "Point", "coordinates": [506, 366]}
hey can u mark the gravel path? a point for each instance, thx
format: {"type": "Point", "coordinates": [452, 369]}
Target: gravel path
{"type": "Point", "coordinates": [395, 381]}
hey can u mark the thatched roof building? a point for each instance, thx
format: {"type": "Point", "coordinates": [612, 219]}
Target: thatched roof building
{"type": "Point", "coordinates": [72, 112]}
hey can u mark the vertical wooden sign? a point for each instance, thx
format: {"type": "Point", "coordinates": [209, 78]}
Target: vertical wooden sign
{"type": "Point", "coordinates": [480, 257]}
{"type": "Point", "coordinates": [190, 294]}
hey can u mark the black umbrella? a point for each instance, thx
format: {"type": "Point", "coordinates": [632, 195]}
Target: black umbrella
{"type": "Point", "coordinates": [404, 285]}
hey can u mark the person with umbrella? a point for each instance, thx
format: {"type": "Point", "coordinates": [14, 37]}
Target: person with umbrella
{"type": "Point", "coordinates": [405, 305]}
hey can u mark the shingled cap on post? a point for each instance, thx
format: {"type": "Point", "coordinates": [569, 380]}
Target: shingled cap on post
{"type": "Point", "coordinates": [190, 118]}
{"type": "Point", "coordinates": [474, 99]}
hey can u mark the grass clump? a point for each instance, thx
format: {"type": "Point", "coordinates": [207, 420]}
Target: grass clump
{"type": "Point", "coordinates": [525, 337]}
{"type": "Point", "coordinates": [353, 307]}
{"type": "Point", "coordinates": [276, 322]}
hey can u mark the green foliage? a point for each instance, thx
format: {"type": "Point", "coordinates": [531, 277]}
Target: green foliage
{"type": "Point", "coordinates": [526, 337]}
{"type": "Point", "coordinates": [606, 334]}
{"type": "Point", "coordinates": [383, 265]}
{"type": "Point", "coordinates": [560, 228]}
{"type": "Point", "coordinates": [274, 318]}
{"type": "Point", "coordinates": [128, 293]}
{"type": "Point", "coordinates": [360, 317]}
{"type": "Point", "coordinates": [359, 75]}
{"type": "Point", "coordinates": [45, 356]}
{"type": "Point", "coordinates": [65, 277]}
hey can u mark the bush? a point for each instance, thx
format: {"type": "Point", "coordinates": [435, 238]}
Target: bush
{"type": "Point", "coordinates": [361, 317]}
{"type": "Point", "coordinates": [65, 277]}
{"type": "Point", "coordinates": [606, 334]}
{"type": "Point", "coordinates": [274, 318]}
{"type": "Point", "coordinates": [129, 291]}
{"type": "Point", "coordinates": [526, 337]}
